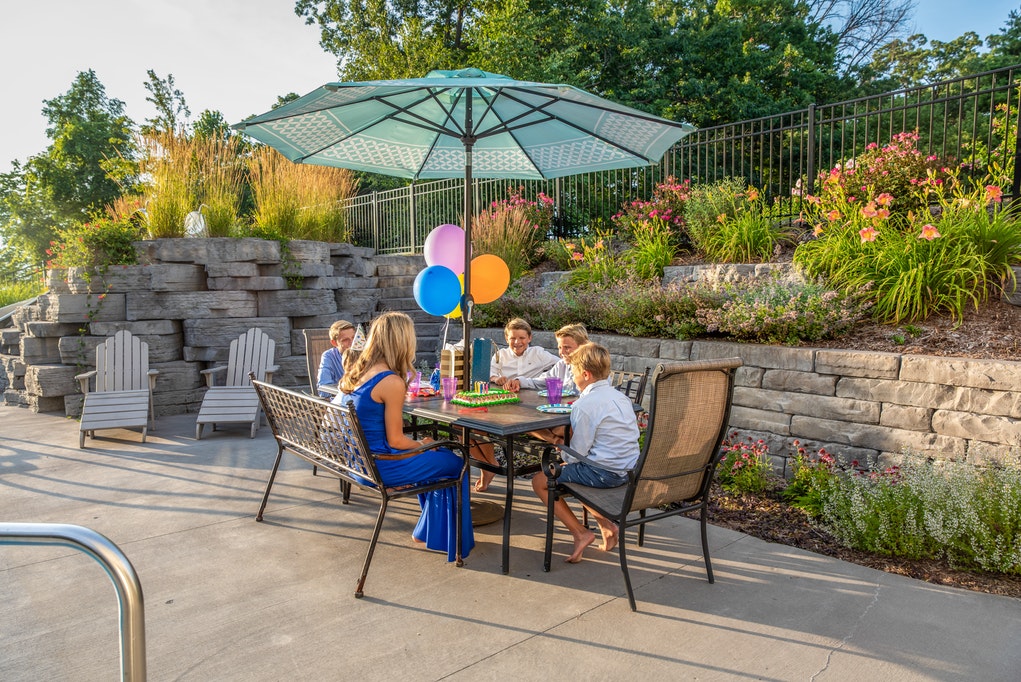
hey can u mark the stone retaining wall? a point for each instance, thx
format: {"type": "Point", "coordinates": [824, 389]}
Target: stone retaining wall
{"type": "Point", "coordinates": [195, 296]}
{"type": "Point", "coordinates": [859, 405]}
{"type": "Point", "coordinates": [188, 302]}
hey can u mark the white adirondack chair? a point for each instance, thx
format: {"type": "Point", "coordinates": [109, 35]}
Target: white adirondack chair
{"type": "Point", "coordinates": [123, 388]}
{"type": "Point", "coordinates": [236, 402]}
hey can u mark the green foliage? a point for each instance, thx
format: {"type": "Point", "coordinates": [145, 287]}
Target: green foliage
{"type": "Point", "coordinates": [745, 467]}
{"type": "Point", "coordinates": [95, 245]}
{"type": "Point", "coordinates": [970, 517]}
{"type": "Point", "coordinates": [767, 311]}
{"type": "Point", "coordinates": [781, 310]}
{"type": "Point", "coordinates": [667, 206]}
{"type": "Point", "coordinates": [744, 235]}
{"type": "Point", "coordinates": [15, 292]}
{"type": "Point", "coordinates": [171, 110]}
{"type": "Point", "coordinates": [89, 133]}
{"type": "Point", "coordinates": [811, 479]}
{"type": "Point", "coordinates": [916, 264]}
{"type": "Point", "coordinates": [655, 245]}
{"type": "Point", "coordinates": [712, 203]}
{"type": "Point", "coordinates": [512, 228]}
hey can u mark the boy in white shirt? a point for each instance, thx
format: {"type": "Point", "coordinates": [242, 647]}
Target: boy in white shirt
{"type": "Point", "coordinates": [604, 431]}
{"type": "Point", "coordinates": [519, 359]}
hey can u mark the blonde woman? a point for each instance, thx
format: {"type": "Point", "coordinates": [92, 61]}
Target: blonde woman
{"type": "Point", "coordinates": [376, 387]}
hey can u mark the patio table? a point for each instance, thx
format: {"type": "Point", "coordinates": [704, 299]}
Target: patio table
{"type": "Point", "coordinates": [506, 422]}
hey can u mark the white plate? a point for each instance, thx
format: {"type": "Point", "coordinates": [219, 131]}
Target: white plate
{"type": "Point", "coordinates": [566, 393]}
{"type": "Point", "coordinates": [559, 408]}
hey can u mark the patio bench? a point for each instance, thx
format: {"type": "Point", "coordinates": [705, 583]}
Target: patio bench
{"type": "Point", "coordinates": [330, 437]}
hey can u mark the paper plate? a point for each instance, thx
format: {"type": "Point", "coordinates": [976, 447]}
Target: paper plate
{"type": "Point", "coordinates": [567, 392]}
{"type": "Point", "coordinates": [559, 408]}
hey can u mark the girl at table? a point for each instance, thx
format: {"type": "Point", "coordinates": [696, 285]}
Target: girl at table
{"type": "Point", "coordinates": [375, 386]}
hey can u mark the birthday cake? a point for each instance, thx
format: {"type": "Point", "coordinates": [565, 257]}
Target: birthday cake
{"type": "Point", "coordinates": [494, 396]}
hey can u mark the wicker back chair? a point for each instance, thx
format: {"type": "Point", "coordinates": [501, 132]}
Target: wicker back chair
{"type": "Point", "coordinates": [689, 411]}
{"type": "Point", "coordinates": [330, 437]}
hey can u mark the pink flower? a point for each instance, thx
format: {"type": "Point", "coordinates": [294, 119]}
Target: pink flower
{"type": "Point", "coordinates": [994, 193]}
{"type": "Point", "coordinates": [868, 234]}
{"type": "Point", "coordinates": [929, 232]}
{"type": "Point", "coordinates": [869, 210]}
{"type": "Point", "coordinates": [833, 215]}
{"type": "Point", "coordinates": [884, 199]}
{"type": "Point", "coordinates": [576, 256]}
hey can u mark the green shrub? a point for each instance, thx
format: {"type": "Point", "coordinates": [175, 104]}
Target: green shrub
{"type": "Point", "coordinates": [653, 250]}
{"type": "Point", "coordinates": [667, 205]}
{"type": "Point", "coordinates": [95, 245]}
{"type": "Point", "coordinates": [15, 292]}
{"type": "Point", "coordinates": [968, 516]}
{"type": "Point", "coordinates": [742, 230]}
{"type": "Point", "coordinates": [781, 309]}
{"type": "Point", "coordinates": [810, 481]}
{"type": "Point", "coordinates": [710, 204]}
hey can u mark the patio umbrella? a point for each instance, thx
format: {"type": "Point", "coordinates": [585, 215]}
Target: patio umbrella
{"type": "Point", "coordinates": [466, 122]}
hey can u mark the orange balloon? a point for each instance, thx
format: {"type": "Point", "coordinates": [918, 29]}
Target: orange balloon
{"type": "Point", "coordinates": [490, 277]}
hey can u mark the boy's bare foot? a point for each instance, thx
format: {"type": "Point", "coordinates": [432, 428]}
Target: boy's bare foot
{"type": "Point", "coordinates": [609, 537]}
{"type": "Point", "coordinates": [485, 478]}
{"type": "Point", "coordinates": [580, 543]}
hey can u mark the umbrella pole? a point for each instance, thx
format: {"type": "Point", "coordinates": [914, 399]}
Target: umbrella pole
{"type": "Point", "coordinates": [467, 302]}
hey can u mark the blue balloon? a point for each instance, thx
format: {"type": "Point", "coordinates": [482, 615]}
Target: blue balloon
{"type": "Point", "coordinates": [437, 290]}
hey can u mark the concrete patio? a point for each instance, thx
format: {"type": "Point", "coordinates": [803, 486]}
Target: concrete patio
{"type": "Point", "coordinates": [227, 598]}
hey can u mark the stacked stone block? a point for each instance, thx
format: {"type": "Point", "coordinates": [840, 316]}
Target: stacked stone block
{"type": "Point", "coordinates": [189, 300]}
{"type": "Point", "coordinates": [859, 405]}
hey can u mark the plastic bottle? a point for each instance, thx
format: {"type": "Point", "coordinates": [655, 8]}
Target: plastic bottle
{"type": "Point", "coordinates": [434, 380]}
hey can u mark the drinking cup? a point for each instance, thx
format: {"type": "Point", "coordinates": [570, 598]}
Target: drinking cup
{"type": "Point", "coordinates": [554, 390]}
{"type": "Point", "coordinates": [414, 383]}
{"type": "Point", "coordinates": [449, 387]}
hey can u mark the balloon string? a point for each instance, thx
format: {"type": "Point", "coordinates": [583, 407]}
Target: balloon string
{"type": "Point", "coordinates": [443, 348]}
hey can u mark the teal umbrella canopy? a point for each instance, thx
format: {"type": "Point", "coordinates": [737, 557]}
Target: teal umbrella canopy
{"type": "Point", "coordinates": [466, 122]}
{"type": "Point", "coordinates": [425, 128]}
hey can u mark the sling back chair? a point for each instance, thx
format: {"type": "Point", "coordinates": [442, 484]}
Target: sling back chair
{"type": "Point", "coordinates": [236, 402]}
{"type": "Point", "coordinates": [689, 411]}
{"type": "Point", "coordinates": [123, 387]}
{"type": "Point", "coordinates": [330, 436]}
{"type": "Point", "coordinates": [317, 342]}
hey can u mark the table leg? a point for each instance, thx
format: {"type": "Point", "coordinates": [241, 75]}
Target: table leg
{"type": "Point", "coordinates": [509, 454]}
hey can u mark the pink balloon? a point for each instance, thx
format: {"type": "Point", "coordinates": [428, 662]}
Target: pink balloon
{"type": "Point", "coordinates": [444, 246]}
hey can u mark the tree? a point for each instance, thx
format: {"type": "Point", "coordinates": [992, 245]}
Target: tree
{"type": "Point", "coordinates": [1005, 46]}
{"type": "Point", "coordinates": [861, 26]}
{"type": "Point", "coordinates": [172, 111]}
{"type": "Point", "coordinates": [90, 133]}
{"type": "Point", "coordinates": [741, 59]}
{"type": "Point", "coordinates": [377, 39]}
{"type": "Point", "coordinates": [212, 124]}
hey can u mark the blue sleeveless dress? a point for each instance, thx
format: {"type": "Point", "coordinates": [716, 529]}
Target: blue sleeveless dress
{"type": "Point", "coordinates": [436, 524]}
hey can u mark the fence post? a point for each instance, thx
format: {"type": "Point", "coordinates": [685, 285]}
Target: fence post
{"type": "Point", "coordinates": [810, 163]}
{"type": "Point", "coordinates": [1015, 185]}
{"type": "Point", "coordinates": [413, 219]}
{"type": "Point", "coordinates": [375, 220]}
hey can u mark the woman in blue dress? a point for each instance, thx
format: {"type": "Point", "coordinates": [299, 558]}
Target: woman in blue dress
{"type": "Point", "coordinates": [376, 387]}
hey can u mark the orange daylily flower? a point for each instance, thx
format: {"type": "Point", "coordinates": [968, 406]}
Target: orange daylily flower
{"type": "Point", "coordinates": [929, 232]}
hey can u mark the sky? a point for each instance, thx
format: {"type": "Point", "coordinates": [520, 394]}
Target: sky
{"type": "Point", "coordinates": [234, 56]}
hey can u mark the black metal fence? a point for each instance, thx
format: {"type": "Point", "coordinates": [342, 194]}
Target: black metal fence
{"type": "Point", "coordinates": [971, 121]}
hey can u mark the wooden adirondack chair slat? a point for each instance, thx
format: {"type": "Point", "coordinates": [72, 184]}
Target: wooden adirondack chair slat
{"type": "Point", "coordinates": [236, 402]}
{"type": "Point", "coordinates": [124, 385]}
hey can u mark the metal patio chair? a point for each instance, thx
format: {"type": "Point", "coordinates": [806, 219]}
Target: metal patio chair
{"type": "Point", "coordinates": [689, 412]}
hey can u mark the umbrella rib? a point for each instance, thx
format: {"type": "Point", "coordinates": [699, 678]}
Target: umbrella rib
{"type": "Point", "coordinates": [418, 122]}
{"type": "Point", "coordinates": [533, 109]}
